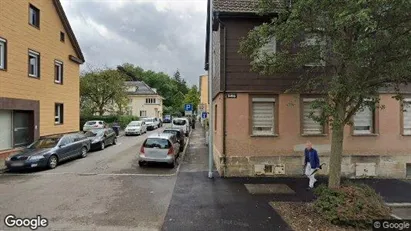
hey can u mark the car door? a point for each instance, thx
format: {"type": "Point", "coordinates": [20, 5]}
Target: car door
{"type": "Point", "coordinates": [111, 135]}
{"type": "Point", "coordinates": [77, 144]}
{"type": "Point", "coordinates": [64, 150]}
{"type": "Point", "coordinates": [176, 145]}
{"type": "Point", "coordinates": [144, 126]}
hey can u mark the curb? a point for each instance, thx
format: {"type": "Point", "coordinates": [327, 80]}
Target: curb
{"type": "Point", "coordinates": [181, 157]}
{"type": "Point", "coordinates": [399, 205]}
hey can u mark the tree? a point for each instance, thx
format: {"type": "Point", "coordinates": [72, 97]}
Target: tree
{"type": "Point", "coordinates": [364, 44]}
{"type": "Point", "coordinates": [193, 97]}
{"type": "Point", "coordinates": [103, 91]}
{"type": "Point", "coordinates": [181, 83]}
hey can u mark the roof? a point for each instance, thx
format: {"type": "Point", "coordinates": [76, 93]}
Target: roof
{"type": "Point", "coordinates": [142, 88]}
{"type": "Point", "coordinates": [237, 6]}
{"type": "Point", "coordinates": [60, 11]}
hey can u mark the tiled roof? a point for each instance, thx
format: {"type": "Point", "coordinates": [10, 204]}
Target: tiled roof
{"type": "Point", "coordinates": [142, 88]}
{"type": "Point", "coordinates": [236, 6]}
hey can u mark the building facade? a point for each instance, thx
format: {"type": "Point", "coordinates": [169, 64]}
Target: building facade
{"type": "Point", "coordinates": [144, 101]}
{"type": "Point", "coordinates": [39, 72]}
{"type": "Point", "coordinates": [203, 85]}
{"type": "Point", "coordinates": [260, 130]}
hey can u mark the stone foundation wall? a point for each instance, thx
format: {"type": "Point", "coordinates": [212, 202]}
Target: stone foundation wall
{"type": "Point", "coordinates": [353, 166]}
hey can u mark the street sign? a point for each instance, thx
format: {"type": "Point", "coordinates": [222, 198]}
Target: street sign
{"type": "Point", "coordinates": [204, 115]}
{"type": "Point", "coordinates": [188, 107]}
{"type": "Point", "coordinates": [232, 95]}
{"type": "Point", "coordinates": [188, 113]}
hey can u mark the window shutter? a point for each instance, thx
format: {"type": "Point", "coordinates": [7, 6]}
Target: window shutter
{"type": "Point", "coordinates": [407, 117]}
{"type": "Point", "coordinates": [310, 126]}
{"type": "Point", "coordinates": [263, 117]}
{"type": "Point", "coordinates": [363, 121]}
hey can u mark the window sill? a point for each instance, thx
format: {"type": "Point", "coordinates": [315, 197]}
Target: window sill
{"type": "Point", "coordinates": [371, 134]}
{"type": "Point", "coordinates": [3, 69]}
{"type": "Point", "coordinates": [57, 82]}
{"type": "Point", "coordinates": [34, 77]}
{"type": "Point", "coordinates": [314, 135]}
{"type": "Point", "coordinates": [406, 134]}
{"type": "Point", "coordinates": [37, 27]}
{"type": "Point", "coordinates": [271, 135]}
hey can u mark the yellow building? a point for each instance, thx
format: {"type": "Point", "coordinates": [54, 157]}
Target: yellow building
{"type": "Point", "coordinates": [203, 83]}
{"type": "Point", "coordinates": [144, 101]}
{"type": "Point", "coordinates": [39, 72]}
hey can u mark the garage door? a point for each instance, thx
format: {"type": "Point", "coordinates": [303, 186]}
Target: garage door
{"type": "Point", "coordinates": [6, 130]}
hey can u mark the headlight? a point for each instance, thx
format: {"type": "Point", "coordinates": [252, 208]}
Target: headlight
{"type": "Point", "coordinates": [36, 157]}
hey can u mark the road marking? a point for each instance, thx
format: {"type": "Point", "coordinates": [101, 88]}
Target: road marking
{"type": "Point", "coordinates": [395, 216]}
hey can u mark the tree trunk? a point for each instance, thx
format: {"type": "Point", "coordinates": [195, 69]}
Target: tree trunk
{"type": "Point", "coordinates": [101, 111]}
{"type": "Point", "coordinates": [336, 151]}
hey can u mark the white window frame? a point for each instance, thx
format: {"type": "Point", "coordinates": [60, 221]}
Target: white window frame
{"type": "Point", "coordinates": [312, 40]}
{"type": "Point", "coordinates": [310, 101]}
{"type": "Point", "coordinates": [372, 122]}
{"type": "Point", "coordinates": [36, 69]}
{"type": "Point", "coordinates": [267, 101]}
{"type": "Point", "coordinates": [3, 50]}
{"type": "Point", "coordinates": [150, 100]}
{"type": "Point", "coordinates": [406, 125]}
{"type": "Point", "coordinates": [143, 113]}
{"type": "Point", "coordinates": [32, 12]}
{"type": "Point", "coordinates": [58, 117]}
{"type": "Point", "coordinates": [59, 76]}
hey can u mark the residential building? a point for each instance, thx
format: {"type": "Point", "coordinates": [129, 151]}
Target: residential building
{"type": "Point", "coordinates": [203, 83]}
{"type": "Point", "coordinates": [144, 100]}
{"type": "Point", "coordinates": [260, 130]}
{"type": "Point", "coordinates": [39, 72]}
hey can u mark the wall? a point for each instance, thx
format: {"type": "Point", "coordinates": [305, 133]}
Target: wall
{"type": "Point", "coordinates": [15, 83]}
{"type": "Point", "coordinates": [138, 103]}
{"type": "Point", "coordinates": [218, 131]}
{"type": "Point", "coordinates": [204, 91]}
{"type": "Point", "coordinates": [389, 149]}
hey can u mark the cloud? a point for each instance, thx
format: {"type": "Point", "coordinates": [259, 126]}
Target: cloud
{"type": "Point", "coordinates": [161, 35]}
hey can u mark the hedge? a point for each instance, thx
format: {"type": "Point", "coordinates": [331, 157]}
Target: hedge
{"type": "Point", "coordinates": [122, 120]}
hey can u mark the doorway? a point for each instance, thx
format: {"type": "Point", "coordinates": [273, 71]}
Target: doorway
{"type": "Point", "coordinates": [23, 129]}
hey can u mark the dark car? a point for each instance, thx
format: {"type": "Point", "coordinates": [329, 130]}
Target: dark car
{"type": "Point", "coordinates": [179, 133]}
{"type": "Point", "coordinates": [100, 138]}
{"type": "Point", "coordinates": [48, 151]}
{"type": "Point", "coordinates": [167, 119]}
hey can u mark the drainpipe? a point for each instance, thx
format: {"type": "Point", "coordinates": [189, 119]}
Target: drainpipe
{"type": "Point", "coordinates": [210, 95]}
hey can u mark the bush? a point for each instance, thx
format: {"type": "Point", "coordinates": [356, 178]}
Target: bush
{"type": "Point", "coordinates": [122, 120]}
{"type": "Point", "coordinates": [353, 205]}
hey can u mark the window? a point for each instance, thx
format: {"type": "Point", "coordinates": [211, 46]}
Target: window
{"type": "Point", "coordinates": [58, 72]}
{"type": "Point", "coordinates": [150, 100]}
{"type": "Point", "coordinates": [143, 113]}
{"type": "Point", "coordinates": [34, 16]}
{"type": "Point", "coordinates": [3, 53]}
{"type": "Point", "coordinates": [406, 113]}
{"type": "Point", "coordinates": [364, 121]}
{"type": "Point", "coordinates": [316, 42]}
{"type": "Point", "coordinates": [215, 118]}
{"type": "Point", "coordinates": [263, 116]}
{"type": "Point", "coordinates": [62, 36]}
{"type": "Point", "coordinates": [310, 126]}
{"type": "Point", "coordinates": [58, 113]}
{"type": "Point", "coordinates": [34, 64]}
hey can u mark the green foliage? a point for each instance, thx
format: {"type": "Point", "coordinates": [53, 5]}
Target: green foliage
{"type": "Point", "coordinates": [193, 97]}
{"type": "Point", "coordinates": [122, 120]}
{"type": "Point", "coordinates": [102, 91]}
{"type": "Point", "coordinates": [353, 205]}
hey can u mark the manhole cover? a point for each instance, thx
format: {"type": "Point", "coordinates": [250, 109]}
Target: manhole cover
{"type": "Point", "coordinates": [269, 189]}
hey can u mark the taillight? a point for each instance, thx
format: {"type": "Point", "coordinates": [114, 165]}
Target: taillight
{"type": "Point", "coordinates": [171, 151]}
{"type": "Point", "coordinates": [142, 149]}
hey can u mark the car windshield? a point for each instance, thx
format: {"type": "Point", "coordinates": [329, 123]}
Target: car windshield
{"type": "Point", "coordinates": [91, 122]}
{"type": "Point", "coordinates": [49, 142]}
{"type": "Point", "coordinates": [179, 122]}
{"type": "Point", "coordinates": [95, 133]}
{"type": "Point", "coordinates": [157, 143]}
{"type": "Point", "coordinates": [134, 124]}
{"type": "Point", "coordinates": [148, 120]}
{"type": "Point", "coordinates": [171, 131]}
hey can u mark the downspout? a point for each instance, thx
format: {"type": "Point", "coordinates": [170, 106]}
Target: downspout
{"type": "Point", "coordinates": [224, 95]}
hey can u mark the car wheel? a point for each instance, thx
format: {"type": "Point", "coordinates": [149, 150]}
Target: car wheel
{"type": "Point", "coordinates": [141, 163]}
{"type": "Point", "coordinates": [52, 163]}
{"type": "Point", "coordinates": [115, 141]}
{"type": "Point", "coordinates": [102, 145]}
{"type": "Point", "coordinates": [83, 152]}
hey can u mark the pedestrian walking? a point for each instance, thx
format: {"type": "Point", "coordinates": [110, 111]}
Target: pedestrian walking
{"type": "Point", "coordinates": [311, 164]}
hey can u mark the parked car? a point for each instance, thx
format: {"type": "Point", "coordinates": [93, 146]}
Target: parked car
{"type": "Point", "coordinates": [136, 128]}
{"type": "Point", "coordinates": [161, 148]}
{"type": "Point", "coordinates": [179, 133]}
{"type": "Point", "coordinates": [93, 124]}
{"type": "Point", "coordinates": [48, 151]}
{"type": "Point", "coordinates": [182, 123]}
{"type": "Point", "coordinates": [160, 122]}
{"type": "Point", "coordinates": [167, 119]}
{"type": "Point", "coordinates": [100, 138]}
{"type": "Point", "coordinates": [151, 123]}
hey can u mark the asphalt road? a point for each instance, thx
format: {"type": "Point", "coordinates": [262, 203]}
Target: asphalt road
{"type": "Point", "coordinates": [107, 190]}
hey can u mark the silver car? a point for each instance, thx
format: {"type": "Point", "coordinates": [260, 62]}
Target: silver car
{"type": "Point", "coordinates": [160, 148]}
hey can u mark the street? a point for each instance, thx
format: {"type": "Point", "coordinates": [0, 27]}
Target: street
{"type": "Point", "coordinates": [107, 190]}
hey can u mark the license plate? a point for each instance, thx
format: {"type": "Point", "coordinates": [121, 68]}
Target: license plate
{"type": "Point", "coordinates": [17, 164]}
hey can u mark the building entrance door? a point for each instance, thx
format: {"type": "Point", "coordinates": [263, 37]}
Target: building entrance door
{"type": "Point", "coordinates": [6, 139]}
{"type": "Point", "coordinates": [22, 128]}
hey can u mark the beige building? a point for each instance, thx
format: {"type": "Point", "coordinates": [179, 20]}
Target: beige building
{"type": "Point", "coordinates": [144, 101]}
{"type": "Point", "coordinates": [203, 83]}
{"type": "Point", "coordinates": [39, 72]}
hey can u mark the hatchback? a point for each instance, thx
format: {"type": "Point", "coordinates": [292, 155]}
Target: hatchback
{"type": "Point", "coordinates": [182, 123]}
{"type": "Point", "coordinates": [161, 148]}
{"type": "Point", "coordinates": [93, 124]}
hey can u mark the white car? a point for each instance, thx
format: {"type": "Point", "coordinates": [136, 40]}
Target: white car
{"type": "Point", "coordinates": [93, 124]}
{"type": "Point", "coordinates": [151, 123]}
{"type": "Point", "coordinates": [136, 128]}
{"type": "Point", "coordinates": [182, 123]}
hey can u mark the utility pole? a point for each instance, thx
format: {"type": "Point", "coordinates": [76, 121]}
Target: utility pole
{"type": "Point", "coordinates": [210, 93]}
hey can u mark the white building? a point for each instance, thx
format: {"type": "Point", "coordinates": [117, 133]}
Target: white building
{"type": "Point", "coordinates": [144, 101]}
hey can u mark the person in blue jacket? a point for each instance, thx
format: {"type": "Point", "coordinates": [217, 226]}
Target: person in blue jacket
{"type": "Point", "coordinates": [311, 163]}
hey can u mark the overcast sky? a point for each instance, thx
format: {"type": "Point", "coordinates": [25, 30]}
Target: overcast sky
{"type": "Point", "coordinates": [161, 35]}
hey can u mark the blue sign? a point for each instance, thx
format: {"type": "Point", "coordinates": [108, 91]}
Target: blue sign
{"type": "Point", "coordinates": [204, 115]}
{"type": "Point", "coordinates": [188, 107]}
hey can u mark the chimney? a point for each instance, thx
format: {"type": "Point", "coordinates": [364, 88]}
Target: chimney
{"type": "Point", "coordinates": [154, 89]}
